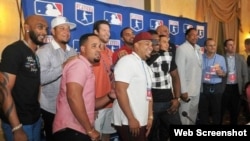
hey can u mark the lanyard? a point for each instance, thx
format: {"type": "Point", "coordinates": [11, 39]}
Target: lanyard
{"type": "Point", "coordinates": [231, 63]}
{"type": "Point", "coordinates": [144, 70]}
{"type": "Point", "coordinates": [206, 62]}
{"type": "Point", "coordinates": [145, 74]}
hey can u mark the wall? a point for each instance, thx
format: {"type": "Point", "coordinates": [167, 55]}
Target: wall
{"type": "Point", "coordinates": [139, 4]}
{"type": "Point", "coordinates": [184, 8]}
{"type": "Point", "coordinates": [245, 23]}
{"type": "Point", "coordinates": [9, 23]}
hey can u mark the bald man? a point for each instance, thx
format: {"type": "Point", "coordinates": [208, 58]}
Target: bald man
{"type": "Point", "coordinates": [20, 84]}
{"type": "Point", "coordinates": [163, 30]}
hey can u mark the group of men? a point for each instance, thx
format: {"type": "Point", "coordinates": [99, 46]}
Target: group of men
{"type": "Point", "coordinates": [42, 83]}
{"type": "Point", "coordinates": [147, 83]}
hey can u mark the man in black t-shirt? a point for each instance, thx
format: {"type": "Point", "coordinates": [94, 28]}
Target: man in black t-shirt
{"type": "Point", "coordinates": [20, 83]}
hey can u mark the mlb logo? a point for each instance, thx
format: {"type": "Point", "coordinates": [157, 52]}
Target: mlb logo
{"type": "Point", "coordinates": [186, 27]}
{"type": "Point", "coordinates": [76, 45]}
{"type": "Point", "coordinates": [173, 27]}
{"type": "Point", "coordinates": [136, 22]}
{"type": "Point", "coordinates": [113, 44]}
{"type": "Point", "coordinates": [113, 18]}
{"type": "Point", "coordinates": [201, 31]}
{"type": "Point", "coordinates": [46, 8]}
{"type": "Point", "coordinates": [154, 23]}
{"type": "Point", "coordinates": [84, 14]}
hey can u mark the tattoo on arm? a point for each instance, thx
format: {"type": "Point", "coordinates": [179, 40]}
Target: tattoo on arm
{"type": "Point", "coordinates": [3, 86]}
{"type": "Point", "coordinates": [4, 93]}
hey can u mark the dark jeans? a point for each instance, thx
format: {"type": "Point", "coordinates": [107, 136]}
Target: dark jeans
{"type": "Point", "coordinates": [231, 101]}
{"type": "Point", "coordinates": [125, 134]}
{"type": "Point", "coordinates": [162, 121]}
{"type": "Point", "coordinates": [68, 134]}
{"type": "Point", "coordinates": [48, 119]}
{"type": "Point", "coordinates": [210, 104]}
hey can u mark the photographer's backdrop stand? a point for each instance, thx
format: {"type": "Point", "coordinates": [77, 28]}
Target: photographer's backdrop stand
{"type": "Point", "coordinates": [85, 12]}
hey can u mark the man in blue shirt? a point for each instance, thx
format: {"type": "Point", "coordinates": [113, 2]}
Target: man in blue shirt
{"type": "Point", "coordinates": [213, 69]}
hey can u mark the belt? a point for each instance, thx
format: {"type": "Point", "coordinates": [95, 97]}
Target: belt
{"type": "Point", "coordinates": [207, 84]}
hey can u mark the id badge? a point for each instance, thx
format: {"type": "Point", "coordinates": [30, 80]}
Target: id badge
{"type": "Point", "coordinates": [149, 94]}
{"type": "Point", "coordinates": [232, 77]}
{"type": "Point", "coordinates": [212, 70]}
{"type": "Point", "coordinates": [207, 77]}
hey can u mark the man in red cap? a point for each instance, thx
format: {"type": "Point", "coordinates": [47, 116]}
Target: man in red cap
{"type": "Point", "coordinates": [133, 107]}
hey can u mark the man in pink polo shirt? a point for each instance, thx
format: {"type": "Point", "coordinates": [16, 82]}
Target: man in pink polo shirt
{"type": "Point", "coordinates": [76, 101]}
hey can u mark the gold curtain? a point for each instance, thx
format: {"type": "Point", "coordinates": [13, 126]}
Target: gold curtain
{"type": "Point", "coordinates": [215, 12]}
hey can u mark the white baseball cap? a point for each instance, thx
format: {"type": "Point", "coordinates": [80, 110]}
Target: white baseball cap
{"type": "Point", "coordinates": [61, 20]}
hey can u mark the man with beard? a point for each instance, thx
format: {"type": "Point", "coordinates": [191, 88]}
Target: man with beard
{"type": "Point", "coordinates": [20, 83]}
{"type": "Point", "coordinates": [76, 97]}
{"type": "Point", "coordinates": [104, 78]}
{"type": "Point", "coordinates": [127, 36]}
{"type": "Point", "coordinates": [133, 113]}
{"type": "Point", "coordinates": [52, 56]}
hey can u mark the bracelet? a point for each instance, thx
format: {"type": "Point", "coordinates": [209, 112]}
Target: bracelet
{"type": "Point", "coordinates": [91, 131]}
{"type": "Point", "coordinates": [110, 98]}
{"type": "Point", "coordinates": [150, 118]}
{"type": "Point", "coordinates": [17, 127]}
{"type": "Point", "coordinates": [179, 99]}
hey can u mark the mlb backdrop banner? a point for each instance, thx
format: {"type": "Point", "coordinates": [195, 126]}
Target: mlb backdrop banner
{"type": "Point", "coordinates": [85, 12]}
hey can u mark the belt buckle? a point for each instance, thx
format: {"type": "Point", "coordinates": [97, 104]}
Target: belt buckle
{"type": "Point", "coordinates": [211, 90]}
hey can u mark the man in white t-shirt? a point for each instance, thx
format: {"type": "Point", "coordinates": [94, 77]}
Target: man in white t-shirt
{"type": "Point", "coordinates": [133, 107]}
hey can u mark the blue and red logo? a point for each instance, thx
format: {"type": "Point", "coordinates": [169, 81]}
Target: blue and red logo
{"type": "Point", "coordinates": [136, 22]}
{"type": "Point", "coordinates": [154, 23]}
{"type": "Point", "coordinates": [46, 8]}
{"type": "Point", "coordinates": [84, 13]}
{"type": "Point", "coordinates": [173, 27]}
{"type": "Point", "coordinates": [114, 44]}
{"type": "Point", "coordinates": [113, 18]}
{"type": "Point", "coordinates": [201, 30]}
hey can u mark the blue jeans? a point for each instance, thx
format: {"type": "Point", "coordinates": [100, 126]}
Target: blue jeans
{"type": "Point", "coordinates": [33, 131]}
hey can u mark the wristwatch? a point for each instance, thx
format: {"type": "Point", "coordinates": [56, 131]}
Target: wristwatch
{"type": "Point", "coordinates": [179, 99]}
